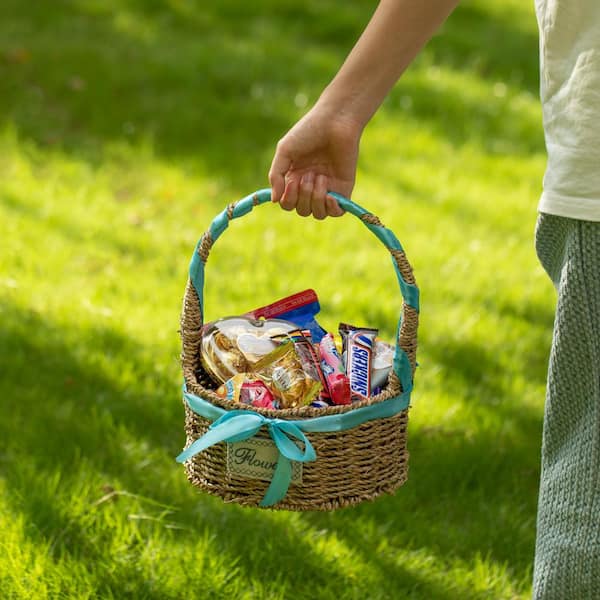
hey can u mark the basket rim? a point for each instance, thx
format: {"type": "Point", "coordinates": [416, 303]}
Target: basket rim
{"type": "Point", "coordinates": [334, 489]}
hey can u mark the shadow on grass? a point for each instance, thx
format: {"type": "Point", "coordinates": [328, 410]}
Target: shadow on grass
{"type": "Point", "coordinates": [467, 496]}
{"type": "Point", "coordinates": [217, 84]}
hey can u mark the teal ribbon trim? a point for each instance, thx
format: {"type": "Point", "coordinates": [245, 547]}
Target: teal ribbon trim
{"type": "Point", "coordinates": [197, 278]}
{"type": "Point", "coordinates": [241, 208]}
{"type": "Point", "coordinates": [237, 425]}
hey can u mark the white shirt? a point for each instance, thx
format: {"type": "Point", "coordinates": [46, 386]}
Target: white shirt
{"type": "Point", "coordinates": [570, 94]}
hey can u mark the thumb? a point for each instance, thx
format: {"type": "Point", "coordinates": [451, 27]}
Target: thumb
{"type": "Point", "coordinates": [279, 167]}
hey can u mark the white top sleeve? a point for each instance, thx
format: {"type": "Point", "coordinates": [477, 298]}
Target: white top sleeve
{"type": "Point", "coordinates": [570, 94]}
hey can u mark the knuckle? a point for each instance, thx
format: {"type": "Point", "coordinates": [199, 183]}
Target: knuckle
{"type": "Point", "coordinates": [281, 147]}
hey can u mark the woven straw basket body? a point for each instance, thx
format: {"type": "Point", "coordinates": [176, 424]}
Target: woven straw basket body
{"type": "Point", "coordinates": [351, 463]}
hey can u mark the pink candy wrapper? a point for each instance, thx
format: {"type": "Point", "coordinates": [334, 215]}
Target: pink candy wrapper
{"type": "Point", "coordinates": [240, 388]}
{"type": "Point", "coordinates": [338, 385]}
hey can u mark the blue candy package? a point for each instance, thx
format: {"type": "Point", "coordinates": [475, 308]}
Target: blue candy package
{"type": "Point", "coordinates": [299, 309]}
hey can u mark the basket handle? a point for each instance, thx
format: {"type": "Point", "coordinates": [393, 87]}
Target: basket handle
{"type": "Point", "coordinates": [404, 355]}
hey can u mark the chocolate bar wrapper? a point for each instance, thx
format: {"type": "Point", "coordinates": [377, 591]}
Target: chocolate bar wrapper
{"type": "Point", "coordinates": [359, 354]}
{"type": "Point", "coordinates": [309, 357]}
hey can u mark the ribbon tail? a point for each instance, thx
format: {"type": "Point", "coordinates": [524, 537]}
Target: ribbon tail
{"type": "Point", "coordinates": [280, 482]}
{"type": "Point", "coordinates": [192, 450]}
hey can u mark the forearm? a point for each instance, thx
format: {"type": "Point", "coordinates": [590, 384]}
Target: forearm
{"type": "Point", "coordinates": [391, 40]}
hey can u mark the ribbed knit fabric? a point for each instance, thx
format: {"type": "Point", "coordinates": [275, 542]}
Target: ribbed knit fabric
{"type": "Point", "coordinates": [567, 560]}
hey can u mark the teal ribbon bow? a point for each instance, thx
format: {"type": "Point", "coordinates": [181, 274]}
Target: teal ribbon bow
{"type": "Point", "coordinates": [237, 425]}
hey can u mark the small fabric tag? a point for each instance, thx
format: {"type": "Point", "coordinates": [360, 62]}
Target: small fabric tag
{"type": "Point", "coordinates": [257, 459]}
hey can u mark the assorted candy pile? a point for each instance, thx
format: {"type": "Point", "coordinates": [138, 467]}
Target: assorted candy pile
{"type": "Point", "coordinates": [278, 356]}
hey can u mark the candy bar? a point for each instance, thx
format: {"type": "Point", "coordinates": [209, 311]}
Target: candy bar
{"type": "Point", "coordinates": [309, 356]}
{"type": "Point", "coordinates": [358, 343]}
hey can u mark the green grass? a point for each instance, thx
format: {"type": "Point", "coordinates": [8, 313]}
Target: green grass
{"type": "Point", "coordinates": [124, 127]}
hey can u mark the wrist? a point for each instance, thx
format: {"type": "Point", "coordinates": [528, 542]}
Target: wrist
{"type": "Point", "coordinates": [344, 107]}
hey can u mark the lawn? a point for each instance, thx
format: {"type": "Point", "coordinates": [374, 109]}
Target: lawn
{"type": "Point", "coordinates": [125, 126]}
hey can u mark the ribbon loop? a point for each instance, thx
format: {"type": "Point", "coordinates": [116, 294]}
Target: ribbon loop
{"type": "Point", "coordinates": [238, 425]}
{"type": "Point", "coordinates": [233, 426]}
{"type": "Point", "coordinates": [281, 431]}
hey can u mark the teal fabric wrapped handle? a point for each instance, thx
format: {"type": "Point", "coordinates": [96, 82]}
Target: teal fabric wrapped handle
{"type": "Point", "coordinates": [290, 433]}
{"type": "Point", "coordinates": [408, 290]}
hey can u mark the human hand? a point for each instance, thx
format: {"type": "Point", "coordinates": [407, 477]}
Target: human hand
{"type": "Point", "coordinates": [317, 155]}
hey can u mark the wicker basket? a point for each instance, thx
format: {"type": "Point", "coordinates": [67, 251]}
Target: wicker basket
{"type": "Point", "coordinates": [346, 454]}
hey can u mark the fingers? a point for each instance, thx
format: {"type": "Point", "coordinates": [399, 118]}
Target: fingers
{"type": "Point", "coordinates": [333, 208]}
{"type": "Point", "coordinates": [308, 195]}
{"type": "Point", "coordinates": [304, 205]}
{"type": "Point", "coordinates": [319, 195]}
{"type": "Point", "coordinates": [289, 198]}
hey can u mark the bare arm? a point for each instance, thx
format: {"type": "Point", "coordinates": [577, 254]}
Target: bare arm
{"type": "Point", "coordinates": [320, 152]}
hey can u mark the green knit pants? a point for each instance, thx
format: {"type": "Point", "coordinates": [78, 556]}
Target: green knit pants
{"type": "Point", "coordinates": [567, 554]}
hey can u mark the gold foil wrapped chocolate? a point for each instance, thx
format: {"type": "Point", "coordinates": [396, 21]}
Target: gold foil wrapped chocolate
{"type": "Point", "coordinates": [233, 345]}
{"type": "Point", "coordinates": [283, 374]}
